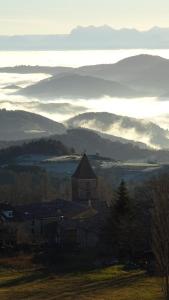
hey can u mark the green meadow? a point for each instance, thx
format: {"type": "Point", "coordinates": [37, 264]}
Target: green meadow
{"type": "Point", "coordinates": [21, 280]}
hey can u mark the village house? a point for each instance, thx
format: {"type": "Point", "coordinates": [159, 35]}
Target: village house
{"type": "Point", "coordinates": [8, 228]}
{"type": "Point", "coordinates": [61, 222]}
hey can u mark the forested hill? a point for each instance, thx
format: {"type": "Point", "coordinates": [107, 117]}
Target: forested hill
{"type": "Point", "coordinates": [82, 139]}
{"type": "Point", "coordinates": [37, 147]}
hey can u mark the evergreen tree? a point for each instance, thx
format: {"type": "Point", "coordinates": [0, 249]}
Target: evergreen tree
{"type": "Point", "coordinates": [118, 228]}
{"type": "Point", "coordinates": [121, 207]}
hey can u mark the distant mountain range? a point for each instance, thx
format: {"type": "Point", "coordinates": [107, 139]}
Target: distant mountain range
{"type": "Point", "coordinates": [137, 76]}
{"type": "Point", "coordinates": [25, 69]}
{"type": "Point", "coordinates": [103, 37]}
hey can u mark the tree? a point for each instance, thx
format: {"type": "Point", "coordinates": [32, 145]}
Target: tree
{"type": "Point", "coordinates": [104, 191]}
{"type": "Point", "coordinates": [122, 203]}
{"type": "Point", "coordinates": [117, 231]}
{"type": "Point", "coordinates": [160, 228]}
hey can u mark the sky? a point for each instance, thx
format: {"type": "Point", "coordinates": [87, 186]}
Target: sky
{"type": "Point", "coordinates": [60, 16]}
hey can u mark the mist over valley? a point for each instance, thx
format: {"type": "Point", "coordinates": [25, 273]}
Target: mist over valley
{"type": "Point", "coordinates": [125, 98]}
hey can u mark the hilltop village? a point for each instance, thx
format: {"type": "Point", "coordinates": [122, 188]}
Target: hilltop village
{"type": "Point", "coordinates": [59, 222]}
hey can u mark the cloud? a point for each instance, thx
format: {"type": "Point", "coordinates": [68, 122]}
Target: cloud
{"type": "Point", "coordinates": [55, 111]}
{"type": "Point", "coordinates": [118, 130]}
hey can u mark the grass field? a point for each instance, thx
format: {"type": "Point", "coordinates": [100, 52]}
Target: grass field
{"type": "Point", "coordinates": [19, 280]}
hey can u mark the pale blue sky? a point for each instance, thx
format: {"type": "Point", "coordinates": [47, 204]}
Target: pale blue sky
{"type": "Point", "coordinates": [60, 16]}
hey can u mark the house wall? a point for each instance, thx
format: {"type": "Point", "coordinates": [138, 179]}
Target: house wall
{"type": "Point", "coordinates": [37, 231]}
{"type": "Point", "coordinates": [86, 238]}
{"type": "Point", "coordinates": [8, 234]}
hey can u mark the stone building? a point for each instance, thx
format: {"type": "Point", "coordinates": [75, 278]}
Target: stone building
{"type": "Point", "coordinates": [84, 182]}
{"type": "Point", "coordinates": [60, 222]}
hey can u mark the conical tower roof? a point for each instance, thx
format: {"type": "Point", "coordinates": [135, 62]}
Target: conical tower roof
{"type": "Point", "coordinates": [84, 170]}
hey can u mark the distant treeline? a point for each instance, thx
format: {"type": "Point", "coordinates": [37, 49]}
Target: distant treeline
{"type": "Point", "coordinates": [38, 147]}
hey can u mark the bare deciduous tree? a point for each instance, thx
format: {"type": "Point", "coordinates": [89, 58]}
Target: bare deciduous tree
{"type": "Point", "coordinates": [160, 228]}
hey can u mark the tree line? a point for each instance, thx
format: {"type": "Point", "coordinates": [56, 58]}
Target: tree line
{"type": "Point", "coordinates": [35, 147]}
{"type": "Point", "coordinates": [137, 228]}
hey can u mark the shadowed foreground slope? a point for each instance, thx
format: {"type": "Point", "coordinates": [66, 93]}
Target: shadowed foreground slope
{"type": "Point", "coordinates": [103, 284]}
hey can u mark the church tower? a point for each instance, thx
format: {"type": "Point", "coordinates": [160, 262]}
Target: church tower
{"type": "Point", "coordinates": [84, 182]}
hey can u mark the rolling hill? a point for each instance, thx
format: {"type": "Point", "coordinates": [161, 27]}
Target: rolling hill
{"type": "Point", "coordinates": [124, 127]}
{"type": "Point", "coordinates": [144, 73]}
{"type": "Point", "coordinates": [17, 125]}
{"type": "Point", "coordinates": [141, 75]}
{"type": "Point", "coordinates": [24, 69]}
{"type": "Point", "coordinates": [82, 140]}
{"type": "Point", "coordinates": [35, 147]}
{"type": "Point", "coordinates": [77, 86]}
{"type": "Point", "coordinates": [87, 140]}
